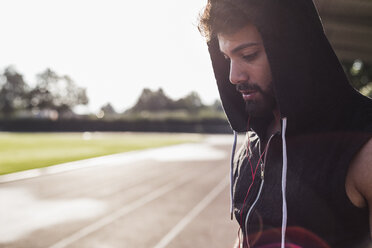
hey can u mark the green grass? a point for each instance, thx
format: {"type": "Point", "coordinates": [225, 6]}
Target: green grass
{"type": "Point", "coordinates": [23, 151]}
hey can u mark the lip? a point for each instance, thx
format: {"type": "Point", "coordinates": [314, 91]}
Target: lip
{"type": "Point", "coordinates": [249, 95]}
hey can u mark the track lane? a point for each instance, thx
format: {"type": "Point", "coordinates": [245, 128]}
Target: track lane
{"type": "Point", "coordinates": [151, 218]}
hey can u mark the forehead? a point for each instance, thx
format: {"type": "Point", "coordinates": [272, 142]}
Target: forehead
{"type": "Point", "coordinates": [248, 35]}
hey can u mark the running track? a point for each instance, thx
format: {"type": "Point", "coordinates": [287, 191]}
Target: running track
{"type": "Point", "coordinates": [168, 197]}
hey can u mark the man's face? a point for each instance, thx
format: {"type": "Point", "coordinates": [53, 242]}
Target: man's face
{"type": "Point", "coordinates": [249, 69]}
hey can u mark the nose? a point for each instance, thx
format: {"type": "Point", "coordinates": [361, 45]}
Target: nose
{"type": "Point", "coordinates": [237, 73]}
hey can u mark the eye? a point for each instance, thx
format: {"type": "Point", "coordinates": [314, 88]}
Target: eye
{"type": "Point", "coordinates": [250, 57]}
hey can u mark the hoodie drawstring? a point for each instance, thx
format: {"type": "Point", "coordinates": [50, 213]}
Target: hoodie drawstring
{"type": "Point", "coordinates": [284, 182]}
{"type": "Point", "coordinates": [232, 175]}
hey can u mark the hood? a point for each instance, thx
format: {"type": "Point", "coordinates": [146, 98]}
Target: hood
{"type": "Point", "coordinates": [311, 88]}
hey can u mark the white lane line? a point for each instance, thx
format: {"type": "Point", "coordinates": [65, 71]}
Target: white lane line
{"type": "Point", "coordinates": [119, 213]}
{"type": "Point", "coordinates": [192, 214]}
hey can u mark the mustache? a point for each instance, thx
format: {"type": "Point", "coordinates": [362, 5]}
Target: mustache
{"type": "Point", "coordinates": [248, 86]}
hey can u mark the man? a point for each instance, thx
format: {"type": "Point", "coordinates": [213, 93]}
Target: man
{"type": "Point", "coordinates": [303, 177]}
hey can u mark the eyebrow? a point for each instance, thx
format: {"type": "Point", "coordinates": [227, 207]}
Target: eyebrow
{"type": "Point", "coordinates": [245, 45]}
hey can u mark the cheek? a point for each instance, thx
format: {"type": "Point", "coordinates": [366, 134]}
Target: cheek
{"type": "Point", "coordinates": [262, 77]}
{"type": "Point", "coordinates": [266, 76]}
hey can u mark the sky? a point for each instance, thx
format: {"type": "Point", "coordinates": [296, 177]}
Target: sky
{"type": "Point", "coordinates": [113, 48]}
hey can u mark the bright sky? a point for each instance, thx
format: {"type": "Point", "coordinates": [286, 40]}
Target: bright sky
{"type": "Point", "coordinates": [114, 48]}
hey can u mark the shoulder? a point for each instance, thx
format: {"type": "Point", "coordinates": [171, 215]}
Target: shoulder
{"type": "Point", "coordinates": [358, 180]}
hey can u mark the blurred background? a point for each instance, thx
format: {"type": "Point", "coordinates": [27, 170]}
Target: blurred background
{"type": "Point", "coordinates": [114, 60]}
{"type": "Point", "coordinates": [84, 79]}
{"type": "Point", "coordinates": [123, 62]}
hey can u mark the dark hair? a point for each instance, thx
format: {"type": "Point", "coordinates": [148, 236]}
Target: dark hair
{"type": "Point", "coordinates": [221, 16]}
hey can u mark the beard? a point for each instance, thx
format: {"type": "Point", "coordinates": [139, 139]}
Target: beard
{"type": "Point", "coordinates": [261, 107]}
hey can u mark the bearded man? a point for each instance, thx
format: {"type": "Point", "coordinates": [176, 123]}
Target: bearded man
{"type": "Point", "coordinates": [303, 177]}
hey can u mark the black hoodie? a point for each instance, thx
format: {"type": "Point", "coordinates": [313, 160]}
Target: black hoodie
{"type": "Point", "coordinates": [327, 124]}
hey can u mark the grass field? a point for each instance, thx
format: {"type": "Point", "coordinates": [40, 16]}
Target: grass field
{"type": "Point", "coordinates": [23, 151]}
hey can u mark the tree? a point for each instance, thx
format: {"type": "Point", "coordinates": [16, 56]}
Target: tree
{"type": "Point", "coordinates": [217, 106]}
{"type": "Point", "coordinates": [192, 102]}
{"type": "Point", "coordinates": [156, 101]}
{"type": "Point", "coordinates": [152, 101]}
{"type": "Point", "coordinates": [108, 109]}
{"type": "Point", "coordinates": [13, 91]}
{"type": "Point", "coordinates": [54, 92]}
